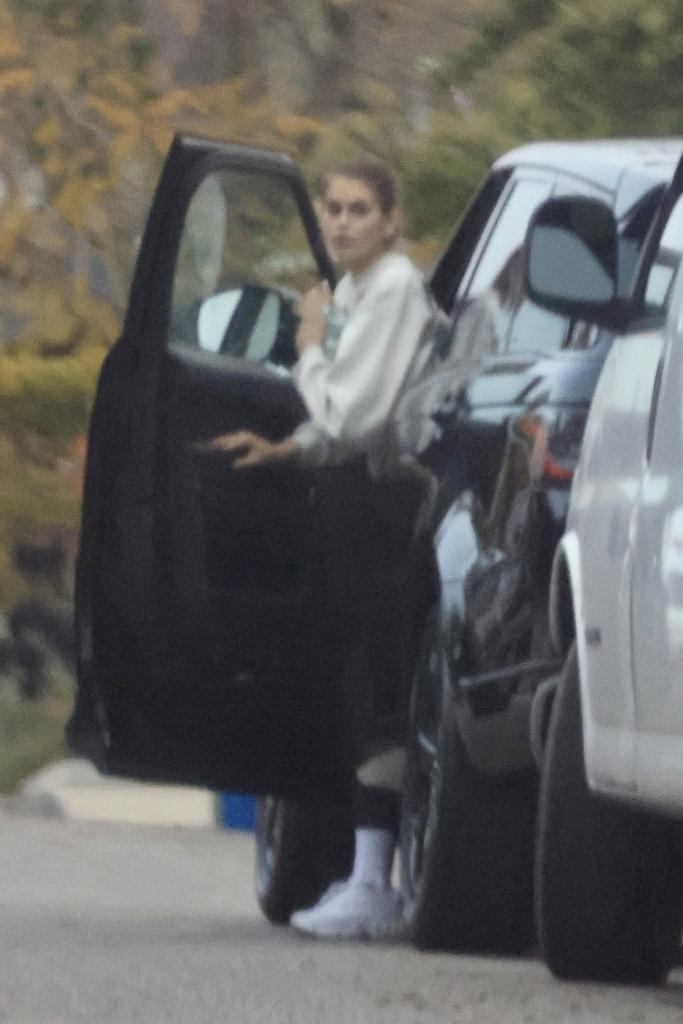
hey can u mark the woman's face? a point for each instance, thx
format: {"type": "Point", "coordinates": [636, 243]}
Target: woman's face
{"type": "Point", "coordinates": [355, 228]}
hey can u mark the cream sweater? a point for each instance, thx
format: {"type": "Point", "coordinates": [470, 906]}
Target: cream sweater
{"type": "Point", "coordinates": [378, 343]}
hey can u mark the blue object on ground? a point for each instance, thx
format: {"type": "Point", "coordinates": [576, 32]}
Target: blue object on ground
{"type": "Point", "coordinates": [237, 811]}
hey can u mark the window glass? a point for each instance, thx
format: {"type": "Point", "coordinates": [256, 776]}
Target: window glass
{"type": "Point", "coordinates": [536, 330]}
{"type": "Point", "coordinates": [658, 284]}
{"type": "Point", "coordinates": [495, 290]}
{"type": "Point", "coordinates": [508, 234]}
{"type": "Point", "coordinates": [243, 261]}
{"type": "Point", "coordinates": [672, 238]}
{"type": "Point", "coordinates": [666, 262]}
{"type": "Point", "coordinates": [452, 268]}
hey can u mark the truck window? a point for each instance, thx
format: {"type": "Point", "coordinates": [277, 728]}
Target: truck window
{"type": "Point", "coordinates": [495, 289]}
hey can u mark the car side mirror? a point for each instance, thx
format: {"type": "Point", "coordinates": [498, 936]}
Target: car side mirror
{"type": "Point", "coordinates": [572, 260]}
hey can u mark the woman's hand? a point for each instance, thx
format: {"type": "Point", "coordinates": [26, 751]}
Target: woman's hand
{"type": "Point", "coordinates": [254, 449]}
{"type": "Point", "coordinates": [313, 325]}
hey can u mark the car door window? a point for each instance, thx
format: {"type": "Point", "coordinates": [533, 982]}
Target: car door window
{"type": "Point", "coordinates": [495, 287]}
{"type": "Point", "coordinates": [243, 261]}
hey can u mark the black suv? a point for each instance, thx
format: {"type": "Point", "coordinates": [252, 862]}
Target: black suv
{"type": "Point", "coordinates": [207, 635]}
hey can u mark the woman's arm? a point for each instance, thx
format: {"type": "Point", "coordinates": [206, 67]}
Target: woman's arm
{"type": "Point", "coordinates": [255, 450]}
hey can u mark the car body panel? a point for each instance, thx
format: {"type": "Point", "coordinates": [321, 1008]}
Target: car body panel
{"type": "Point", "coordinates": [601, 517]}
{"type": "Point", "coordinates": [647, 160]}
{"type": "Point", "coordinates": [500, 515]}
{"type": "Point", "coordinates": [657, 585]}
{"type": "Point", "coordinates": [193, 582]}
{"type": "Point", "coordinates": [620, 561]}
{"type": "Point", "coordinates": [609, 746]}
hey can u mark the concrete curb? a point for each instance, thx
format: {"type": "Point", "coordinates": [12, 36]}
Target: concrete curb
{"type": "Point", "coordinates": [74, 789]}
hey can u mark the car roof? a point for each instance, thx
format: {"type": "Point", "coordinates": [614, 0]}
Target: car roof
{"type": "Point", "coordinates": [602, 161]}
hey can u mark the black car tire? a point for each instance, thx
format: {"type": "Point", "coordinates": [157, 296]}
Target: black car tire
{"type": "Point", "coordinates": [466, 845]}
{"type": "Point", "coordinates": [302, 846]}
{"type": "Point", "coordinates": [539, 722]}
{"type": "Point", "coordinates": [609, 879]}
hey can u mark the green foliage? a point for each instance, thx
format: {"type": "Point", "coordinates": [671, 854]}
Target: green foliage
{"type": "Point", "coordinates": [442, 171]}
{"type": "Point", "coordinates": [41, 488]}
{"type": "Point", "coordinates": [46, 398]}
{"type": "Point", "coordinates": [92, 118]}
{"type": "Point", "coordinates": [623, 76]}
{"type": "Point", "coordinates": [541, 69]}
{"type": "Point", "coordinates": [339, 17]}
{"type": "Point", "coordinates": [496, 31]}
{"type": "Point", "coordinates": [576, 69]}
{"type": "Point", "coordinates": [32, 733]}
{"type": "Point", "coordinates": [141, 53]}
{"type": "Point", "coordinates": [87, 16]}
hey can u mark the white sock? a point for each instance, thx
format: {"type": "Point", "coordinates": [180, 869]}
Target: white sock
{"type": "Point", "coordinates": [373, 857]}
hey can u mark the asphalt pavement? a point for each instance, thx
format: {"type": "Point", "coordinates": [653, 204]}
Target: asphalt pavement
{"type": "Point", "coordinates": [110, 923]}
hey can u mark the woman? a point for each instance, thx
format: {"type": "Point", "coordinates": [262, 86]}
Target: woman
{"type": "Point", "coordinates": [359, 351]}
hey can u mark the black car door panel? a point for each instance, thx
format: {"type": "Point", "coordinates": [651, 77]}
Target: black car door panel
{"type": "Point", "coordinates": [231, 534]}
{"type": "Point", "coordinates": [203, 636]}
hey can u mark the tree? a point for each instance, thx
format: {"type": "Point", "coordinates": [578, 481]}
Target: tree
{"type": "Point", "coordinates": [86, 119]}
{"type": "Point", "coordinates": [551, 69]}
{"type": "Point", "coordinates": [544, 69]}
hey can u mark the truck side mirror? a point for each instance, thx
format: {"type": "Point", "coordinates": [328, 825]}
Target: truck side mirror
{"type": "Point", "coordinates": [572, 260]}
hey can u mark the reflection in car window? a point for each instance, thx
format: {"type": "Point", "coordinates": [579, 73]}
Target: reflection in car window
{"type": "Point", "coordinates": [658, 283]}
{"type": "Point", "coordinates": [495, 291]}
{"type": "Point", "coordinates": [666, 262]}
{"type": "Point", "coordinates": [673, 232]}
{"type": "Point", "coordinates": [536, 330]}
{"type": "Point", "coordinates": [243, 261]}
{"type": "Point", "coordinates": [509, 233]}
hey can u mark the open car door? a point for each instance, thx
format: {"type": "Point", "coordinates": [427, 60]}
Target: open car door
{"type": "Point", "coordinates": [201, 643]}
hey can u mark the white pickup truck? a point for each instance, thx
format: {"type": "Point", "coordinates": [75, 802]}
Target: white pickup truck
{"type": "Point", "coordinates": [609, 874]}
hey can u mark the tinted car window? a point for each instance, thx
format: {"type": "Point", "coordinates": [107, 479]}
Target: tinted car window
{"type": "Point", "coordinates": [495, 288]}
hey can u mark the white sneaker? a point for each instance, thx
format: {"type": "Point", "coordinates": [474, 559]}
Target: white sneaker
{"type": "Point", "coordinates": [331, 891]}
{"type": "Point", "coordinates": [356, 910]}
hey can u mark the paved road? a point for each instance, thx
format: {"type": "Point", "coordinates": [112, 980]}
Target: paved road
{"type": "Point", "coordinates": [110, 924]}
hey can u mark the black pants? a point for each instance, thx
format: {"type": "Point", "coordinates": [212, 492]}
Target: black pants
{"type": "Point", "coordinates": [380, 581]}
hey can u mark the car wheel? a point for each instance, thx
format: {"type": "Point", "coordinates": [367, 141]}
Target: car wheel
{"type": "Point", "coordinates": [466, 839]}
{"type": "Point", "coordinates": [609, 879]}
{"type": "Point", "coordinates": [302, 846]}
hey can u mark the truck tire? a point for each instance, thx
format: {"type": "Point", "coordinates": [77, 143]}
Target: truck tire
{"type": "Point", "coordinates": [609, 879]}
{"type": "Point", "coordinates": [302, 846]}
{"type": "Point", "coordinates": [466, 843]}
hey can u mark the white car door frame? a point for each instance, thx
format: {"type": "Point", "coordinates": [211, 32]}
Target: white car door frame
{"type": "Point", "coordinates": [597, 549]}
{"type": "Point", "coordinates": [657, 586]}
